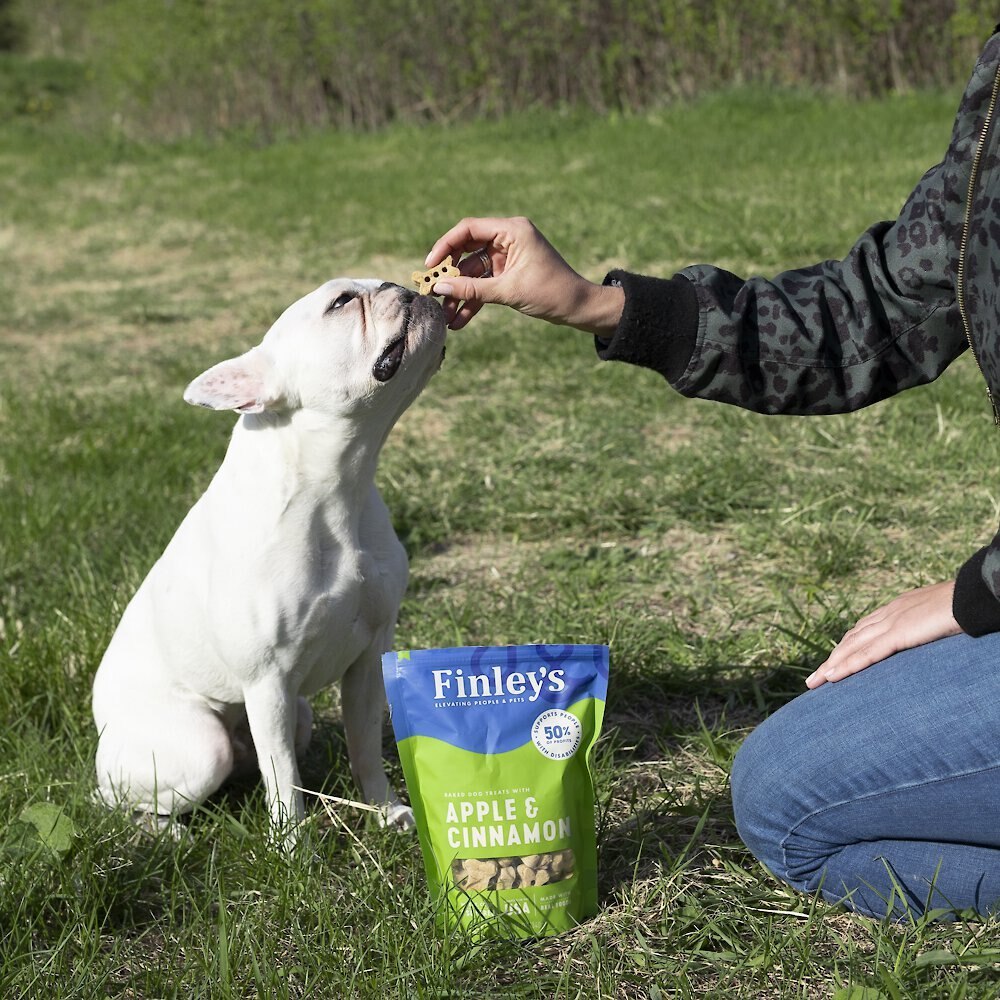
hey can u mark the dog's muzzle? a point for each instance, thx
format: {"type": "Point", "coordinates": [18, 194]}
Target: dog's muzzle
{"type": "Point", "coordinates": [391, 358]}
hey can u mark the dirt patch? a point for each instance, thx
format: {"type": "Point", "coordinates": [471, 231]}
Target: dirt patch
{"type": "Point", "coordinates": [477, 561]}
{"type": "Point", "coordinates": [135, 285]}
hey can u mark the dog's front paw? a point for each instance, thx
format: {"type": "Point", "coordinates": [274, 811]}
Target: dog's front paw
{"type": "Point", "coordinates": [398, 816]}
{"type": "Point", "coordinates": [157, 825]}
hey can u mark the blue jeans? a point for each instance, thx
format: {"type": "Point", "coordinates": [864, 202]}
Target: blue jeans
{"type": "Point", "coordinates": [882, 791]}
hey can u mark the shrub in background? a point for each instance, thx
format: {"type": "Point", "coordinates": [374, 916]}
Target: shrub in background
{"type": "Point", "coordinates": [170, 68]}
{"type": "Point", "coordinates": [13, 29]}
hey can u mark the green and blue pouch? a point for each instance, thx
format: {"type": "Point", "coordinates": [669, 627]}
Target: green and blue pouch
{"type": "Point", "coordinates": [495, 745]}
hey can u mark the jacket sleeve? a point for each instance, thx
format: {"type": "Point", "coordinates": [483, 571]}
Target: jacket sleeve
{"type": "Point", "coordinates": [829, 338]}
{"type": "Point", "coordinates": [976, 602]}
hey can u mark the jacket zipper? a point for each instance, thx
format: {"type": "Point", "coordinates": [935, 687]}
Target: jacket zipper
{"type": "Point", "coordinates": [964, 245]}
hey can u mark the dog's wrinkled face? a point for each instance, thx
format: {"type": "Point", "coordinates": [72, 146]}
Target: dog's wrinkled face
{"type": "Point", "coordinates": [349, 345]}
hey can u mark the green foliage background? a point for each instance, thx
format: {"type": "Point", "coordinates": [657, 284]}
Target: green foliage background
{"type": "Point", "coordinates": [174, 68]}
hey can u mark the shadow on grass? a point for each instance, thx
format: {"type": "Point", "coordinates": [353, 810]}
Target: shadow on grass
{"type": "Point", "coordinates": [663, 766]}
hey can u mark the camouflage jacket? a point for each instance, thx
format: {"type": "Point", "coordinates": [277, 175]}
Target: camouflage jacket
{"type": "Point", "coordinates": [909, 297]}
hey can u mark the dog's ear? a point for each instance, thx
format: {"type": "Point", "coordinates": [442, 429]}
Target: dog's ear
{"type": "Point", "coordinates": [245, 384]}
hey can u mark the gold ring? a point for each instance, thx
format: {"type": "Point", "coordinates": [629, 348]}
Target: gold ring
{"type": "Point", "coordinates": [484, 258]}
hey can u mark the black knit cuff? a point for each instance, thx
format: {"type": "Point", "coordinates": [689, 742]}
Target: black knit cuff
{"type": "Point", "coordinates": [974, 606]}
{"type": "Point", "coordinates": [659, 325]}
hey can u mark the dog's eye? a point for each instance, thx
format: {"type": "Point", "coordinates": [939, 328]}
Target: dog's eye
{"type": "Point", "coordinates": [340, 301]}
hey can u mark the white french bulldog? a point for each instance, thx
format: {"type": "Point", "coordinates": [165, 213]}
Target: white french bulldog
{"type": "Point", "coordinates": [284, 577]}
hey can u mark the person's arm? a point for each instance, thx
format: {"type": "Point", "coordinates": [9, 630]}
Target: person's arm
{"type": "Point", "coordinates": [826, 338]}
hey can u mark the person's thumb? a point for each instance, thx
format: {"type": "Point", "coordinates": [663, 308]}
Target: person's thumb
{"type": "Point", "coordinates": [466, 289]}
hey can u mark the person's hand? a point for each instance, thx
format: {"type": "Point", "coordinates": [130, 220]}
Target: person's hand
{"type": "Point", "coordinates": [525, 272]}
{"type": "Point", "coordinates": [914, 618]}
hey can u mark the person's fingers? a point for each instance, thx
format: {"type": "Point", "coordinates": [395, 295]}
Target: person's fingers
{"type": "Point", "coordinates": [863, 654]}
{"type": "Point", "coordinates": [478, 264]}
{"type": "Point", "coordinates": [463, 237]}
{"type": "Point", "coordinates": [850, 642]}
{"type": "Point", "coordinates": [467, 289]}
{"type": "Point", "coordinates": [869, 619]}
{"type": "Point", "coordinates": [464, 313]}
{"type": "Point", "coordinates": [451, 243]}
{"type": "Point", "coordinates": [450, 307]}
{"type": "Point", "coordinates": [463, 298]}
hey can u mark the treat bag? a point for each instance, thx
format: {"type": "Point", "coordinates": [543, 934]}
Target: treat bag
{"type": "Point", "coordinates": [495, 746]}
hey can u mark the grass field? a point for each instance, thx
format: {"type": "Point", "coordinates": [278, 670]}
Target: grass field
{"type": "Point", "coordinates": [542, 496]}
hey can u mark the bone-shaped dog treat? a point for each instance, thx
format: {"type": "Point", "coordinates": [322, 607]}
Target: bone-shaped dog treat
{"type": "Point", "coordinates": [479, 874]}
{"type": "Point", "coordinates": [424, 280]}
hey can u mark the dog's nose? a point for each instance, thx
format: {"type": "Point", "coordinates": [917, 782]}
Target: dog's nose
{"type": "Point", "coordinates": [406, 294]}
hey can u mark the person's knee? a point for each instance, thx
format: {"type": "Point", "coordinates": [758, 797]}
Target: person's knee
{"type": "Point", "coordinates": [771, 779]}
{"type": "Point", "coordinates": [773, 783]}
{"type": "Point", "coordinates": [755, 791]}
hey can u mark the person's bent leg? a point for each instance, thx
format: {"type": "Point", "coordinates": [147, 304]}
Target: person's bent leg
{"type": "Point", "coordinates": [882, 790]}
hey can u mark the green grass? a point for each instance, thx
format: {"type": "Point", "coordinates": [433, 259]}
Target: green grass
{"type": "Point", "coordinates": [542, 495]}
